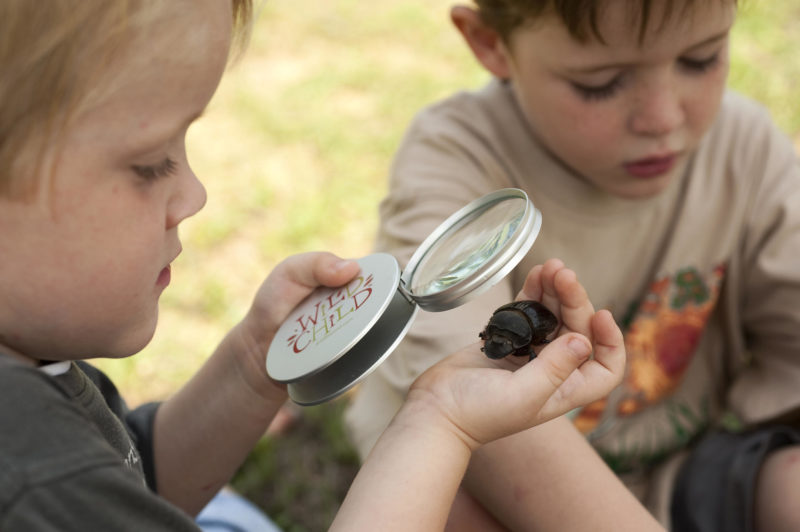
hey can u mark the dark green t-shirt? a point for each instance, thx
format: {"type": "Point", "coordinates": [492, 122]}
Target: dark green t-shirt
{"type": "Point", "coordinates": [73, 458]}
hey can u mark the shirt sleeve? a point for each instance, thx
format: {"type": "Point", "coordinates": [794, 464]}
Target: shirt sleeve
{"type": "Point", "coordinates": [768, 386]}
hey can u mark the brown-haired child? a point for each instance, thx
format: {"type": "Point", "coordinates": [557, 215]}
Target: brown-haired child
{"type": "Point", "coordinates": [677, 203]}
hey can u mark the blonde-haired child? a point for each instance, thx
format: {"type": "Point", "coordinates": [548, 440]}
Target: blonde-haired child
{"type": "Point", "coordinates": [677, 203]}
{"type": "Point", "coordinates": [95, 101]}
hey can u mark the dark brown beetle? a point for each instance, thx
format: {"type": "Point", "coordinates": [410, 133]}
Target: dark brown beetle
{"type": "Point", "coordinates": [516, 327]}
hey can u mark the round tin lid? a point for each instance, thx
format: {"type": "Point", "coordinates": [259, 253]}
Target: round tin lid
{"type": "Point", "coordinates": [331, 321]}
{"type": "Point", "coordinates": [373, 348]}
{"type": "Point", "coordinates": [472, 250]}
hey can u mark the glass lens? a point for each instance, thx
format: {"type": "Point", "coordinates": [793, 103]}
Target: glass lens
{"type": "Point", "coordinates": [468, 246]}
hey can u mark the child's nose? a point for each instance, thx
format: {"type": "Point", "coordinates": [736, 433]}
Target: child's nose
{"type": "Point", "coordinates": [657, 111]}
{"type": "Point", "coordinates": [188, 198]}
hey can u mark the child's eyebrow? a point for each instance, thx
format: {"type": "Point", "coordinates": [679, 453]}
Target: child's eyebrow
{"type": "Point", "coordinates": [191, 118]}
{"type": "Point", "coordinates": [718, 37]}
{"type": "Point", "coordinates": [158, 138]}
{"type": "Point", "coordinates": [185, 124]}
{"type": "Point", "coordinates": [609, 66]}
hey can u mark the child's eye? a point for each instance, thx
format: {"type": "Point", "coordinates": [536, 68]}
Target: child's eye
{"type": "Point", "coordinates": [598, 92]}
{"type": "Point", "coordinates": [153, 172]}
{"type": "Point", "coordinates": [699, 65]}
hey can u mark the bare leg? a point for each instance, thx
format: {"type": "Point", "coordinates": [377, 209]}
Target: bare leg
{"type": "Point", "coordinates": [778, 491]}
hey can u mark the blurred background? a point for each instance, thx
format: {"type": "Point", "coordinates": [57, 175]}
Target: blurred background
{"type": "Point", "coordinates": [294, 151]}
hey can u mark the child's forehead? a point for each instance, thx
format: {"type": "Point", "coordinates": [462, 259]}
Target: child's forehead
{"type": "Point", "coordinates": [177, 33]}
{"type": "Point", "coordinates": [163, 48]}
{"type": "Point", "coordinates": [161, 78]}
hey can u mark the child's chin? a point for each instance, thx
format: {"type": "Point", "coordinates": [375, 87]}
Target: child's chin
{"type": "Point", "coordinates": [136, 340]}
{"type": "Point", "coordinates": [642, 190]}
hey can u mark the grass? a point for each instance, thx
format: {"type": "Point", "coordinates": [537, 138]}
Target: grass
{"type": "Point", "coordinates": [300, 478]}
{"type": "Point", "coordinates": [294, 150]}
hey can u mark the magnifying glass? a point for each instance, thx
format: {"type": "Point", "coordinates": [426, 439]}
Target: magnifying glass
{"type": "Point", "coordinates": [337, 336]}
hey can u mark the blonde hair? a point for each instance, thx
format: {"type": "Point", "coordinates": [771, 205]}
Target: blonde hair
{"type": "Point", "coordinates": [53, 54]}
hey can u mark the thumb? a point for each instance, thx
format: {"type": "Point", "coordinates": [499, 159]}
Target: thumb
{"type": "Point", "coordinates": [561, 357]}
{"type": "Point", "coordinates": [542, 380]}
{"type": "Point", "coordinates": [317, 268]}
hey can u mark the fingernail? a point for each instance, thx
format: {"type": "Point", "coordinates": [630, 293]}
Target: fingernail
{"type": "Point", "coordinates": [578, 347]}
{"type": "Point", "coordinates": [342, 264]}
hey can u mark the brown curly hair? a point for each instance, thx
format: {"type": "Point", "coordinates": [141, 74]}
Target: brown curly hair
{"type": "Point", "coordinates": [580, 17]}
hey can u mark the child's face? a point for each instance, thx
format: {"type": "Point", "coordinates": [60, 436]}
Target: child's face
{"type": "Point", "coordinates": [624, 116]}
{"type": "Point", "coordinates": [84, 264]}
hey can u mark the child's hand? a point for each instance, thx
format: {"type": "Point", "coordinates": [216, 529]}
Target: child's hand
{"type": "Point", "coordinates": [483, 400]}
{"type": "Point", "coordinates": [293, 280]}
{"type": "Point", "coordinates": [286, 286]}
{"type": "Point", "coordinates": [557, 287]}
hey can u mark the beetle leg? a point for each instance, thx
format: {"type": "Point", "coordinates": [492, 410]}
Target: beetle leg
{"type": "Point", "coordinates": [533, 352]}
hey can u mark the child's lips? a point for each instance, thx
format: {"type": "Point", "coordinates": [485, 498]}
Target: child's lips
{"type": "Point", "coordinates": [166, 273]}
{"type": "Point", "coordinates": [164, 276]}
{"type": "Point", "coordinates": [651, 166]}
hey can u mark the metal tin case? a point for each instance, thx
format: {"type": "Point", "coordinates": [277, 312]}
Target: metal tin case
{"type": "Point", "coordinates": [338, 336]}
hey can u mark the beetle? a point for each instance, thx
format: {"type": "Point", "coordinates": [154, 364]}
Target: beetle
{"type": "Point", "coordinates": [516, 327]}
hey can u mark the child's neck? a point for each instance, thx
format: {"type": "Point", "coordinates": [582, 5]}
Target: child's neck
{"type": "Point", "coordinates": [8, 354]}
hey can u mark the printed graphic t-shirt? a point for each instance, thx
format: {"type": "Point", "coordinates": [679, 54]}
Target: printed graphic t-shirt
{"type": "Point", "coordinates": [704, 278]}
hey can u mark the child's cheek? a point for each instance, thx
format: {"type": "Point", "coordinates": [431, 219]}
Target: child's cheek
{"type": "Point", "coordinates": [596, 125]}
{"type": "Point", "coordinates": [703, 107]}
{"type": "Point", "coordinates": [586, 119]}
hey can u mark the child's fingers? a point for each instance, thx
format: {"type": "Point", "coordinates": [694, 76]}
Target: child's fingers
{"type": "Point", "coordinates": [576, 308]}
{"type": "Point", "coordinates": [596, 377]}
{"type": "Point", "coordinates": [532, 289]}
{"type": "Point", "coordinates": [544, 377]}
{"type": "Point", "coordinates": [606, 369]}
{"type": "Point", "coordinates": [473, 388]}
{"type": "Point", "coordinates": [609, 344]}
{"type": "Point", "coordinates": [317, 268]}
{"type": "Point", "coordinates": [550, 297]}
{"type": "Point", "coordinates": [295, 278]}
{"type": "Point", "coordinates": [566, 297]}
{"type": "Point", "coordinates": [561, 357]}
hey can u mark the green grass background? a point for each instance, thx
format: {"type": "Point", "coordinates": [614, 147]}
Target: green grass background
{"type": "Point", "coordinates": [294, 151]}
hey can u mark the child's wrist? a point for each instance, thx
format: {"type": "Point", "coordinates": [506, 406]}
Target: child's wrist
{"type": "Point", "coordinates": [421, 414]}
{"type": "Point", "coordinates": [250, 357]}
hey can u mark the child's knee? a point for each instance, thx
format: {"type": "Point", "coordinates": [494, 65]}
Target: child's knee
{"type": "Point", "coordinates": [776, 491]}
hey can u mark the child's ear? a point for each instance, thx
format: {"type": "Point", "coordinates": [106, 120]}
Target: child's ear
{"type": "Point", "coordinates": [485, 42]}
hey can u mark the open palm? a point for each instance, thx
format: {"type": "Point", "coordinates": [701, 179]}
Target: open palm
{"type": "Point", "coordinates": [489, 399]}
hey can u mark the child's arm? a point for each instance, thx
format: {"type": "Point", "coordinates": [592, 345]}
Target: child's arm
{"type": "Point", "coordinates": [410, 478]}
{"type": "Point", "coordinates": [206, 430]}
{"type": "Point", "coordinates": [558, 481]}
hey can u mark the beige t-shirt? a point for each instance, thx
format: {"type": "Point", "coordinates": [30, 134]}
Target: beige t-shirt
{"type": "Point", "coordinates": [704, 278]}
